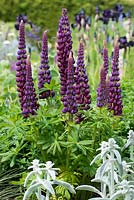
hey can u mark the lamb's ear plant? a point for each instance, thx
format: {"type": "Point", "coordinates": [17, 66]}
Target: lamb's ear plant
{"type": "Point", "coordinates": [112, 174]}
{"type": "Point", "coordinates": [130, 144]}
{"type": "Point", "coordinates": [42, 178]}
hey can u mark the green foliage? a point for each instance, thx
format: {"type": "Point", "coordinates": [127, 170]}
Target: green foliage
{"type": "Point", "coordinates": [7, 189]}
{"type": "Point", "coordinates": [49, 135]}
{"type": "Point", "coordinates": [47, 13]}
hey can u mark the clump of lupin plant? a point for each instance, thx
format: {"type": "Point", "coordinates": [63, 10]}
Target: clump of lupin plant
{"type": "Point", "coordinates": [44, 75]}
{"type": "Point", "coordinates": [29, 97]}
{"type": "Point", "coordinates": [64, 46]}
{"type": "Point", "coordinates": [70, 104]}
{"type": "Point", "coordinates": [115, 102]}
{"type": "Point", "coordinates": [83, 97]}
{"type": "Point", "coordinates": [21, 63]}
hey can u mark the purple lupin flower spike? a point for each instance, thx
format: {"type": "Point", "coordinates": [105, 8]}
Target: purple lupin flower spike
{"type": "Point", "coordinates": [21, 63]}
{"type": "Point", "coordinates": [64, 46]}
{"type": "Point", "coordinates": [70, 104]}
{"type": "Point", "coordinates": [107, 91]}
{"type": "Point", "coordinates": [105, 57]}
{"type": "Point", "coordinates": [44, 75]}
{"type": "Point", "coordinates": [83, 97]}
{"type": "Point", "coordinates": [29, 99]}
{"type": "Point", "coordinates": [101, 90]}
{"type": "Point", "coordinates": [115, 102]}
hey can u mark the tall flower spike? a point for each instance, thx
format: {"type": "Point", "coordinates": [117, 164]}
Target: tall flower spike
{"type": "Point", "coordinates": [44, 75]}
{"type": "Point", "coordinates": [64, 46]}
{"type": "Point", "coordinates": [105, 57]}
{"type": "Point", "coordinates": [83, 97]}
{"type": "Point", "coordinates": [115, 102]}
{"type": "Point", "coordinates": [21, 63]}
{"type": "Point", "coordinates": [107, 91]}
{"type": "Point", "coordinates": [101, 90]}
{"type": "Point", "coordinates": [70, 104]}
{"type": "Point", "coordinates": [29, 99]}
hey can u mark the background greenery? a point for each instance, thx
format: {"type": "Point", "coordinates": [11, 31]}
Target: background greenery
{"type": "Point", "coordinates": [46, 13]}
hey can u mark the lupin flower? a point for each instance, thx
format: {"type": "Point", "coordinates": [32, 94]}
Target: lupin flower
{"type": "Point", "coordinates": [82, 21]}
{"type": "Point", "coordinates": [70, 104]}
{"type": "Point", "coordinates": [105, 57]}
{"type": "Point", "coordinates": [107, 90]}
{"type": "Point", "coordinates": [64, 46]}
{"type": "Point", "coordinates": [21, 63]}
{"type": "Point", "coordinates": [29, 97]}
{"type": "Point", "coordinates": [123, 42]}
{"type": "Point", "coordinates": [115, 102]}
{"type": "Point", "coordinates": [23, 18]}
{"type": "Point", "coordinates": [44, 75]}
{"type": "Point", "coordinates": [97, 11]}
{"type": "Point", "coordinates": [101, 90]}
{"type": "Point", "coordinates": [83, 97]}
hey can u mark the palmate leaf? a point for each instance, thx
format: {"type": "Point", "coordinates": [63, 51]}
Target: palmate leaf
{"type": "Point", "coordinates": [90, 189]}
{"type": "Point", "coordinates": [65, 184]}
{"type": "Point", "coordinates": [82, 148]}
{"type": "Point", "coordinates": [85, 142]}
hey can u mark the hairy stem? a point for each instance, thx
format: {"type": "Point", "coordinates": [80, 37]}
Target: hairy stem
{"type": "Point", "coordinates": [47, 192]}
{"type": "Point", "coordinates": [112, 175]}
{"type": "Point", "coordinates": [103, 185]}
{"type": "Point", "coordinates": [132, 152]}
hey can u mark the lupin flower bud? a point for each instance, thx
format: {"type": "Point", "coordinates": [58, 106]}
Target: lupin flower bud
{"type": "Point", "coordinates": [44, 70]}
{"type": "Point", "coordinates": [101, 90]}
{"type": "Point", "coordinates": [21, 63]}
{"type": "Point", "coordinates": [83, 97]}
{"type": "Point", "coordinates": [29, 99]}
{"type": "Point", "coordinates": [64, 46]}
{"type": "Point", "coordinates": [115, 102]}
{"type": "Point", "coordinates": [70, 104]}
